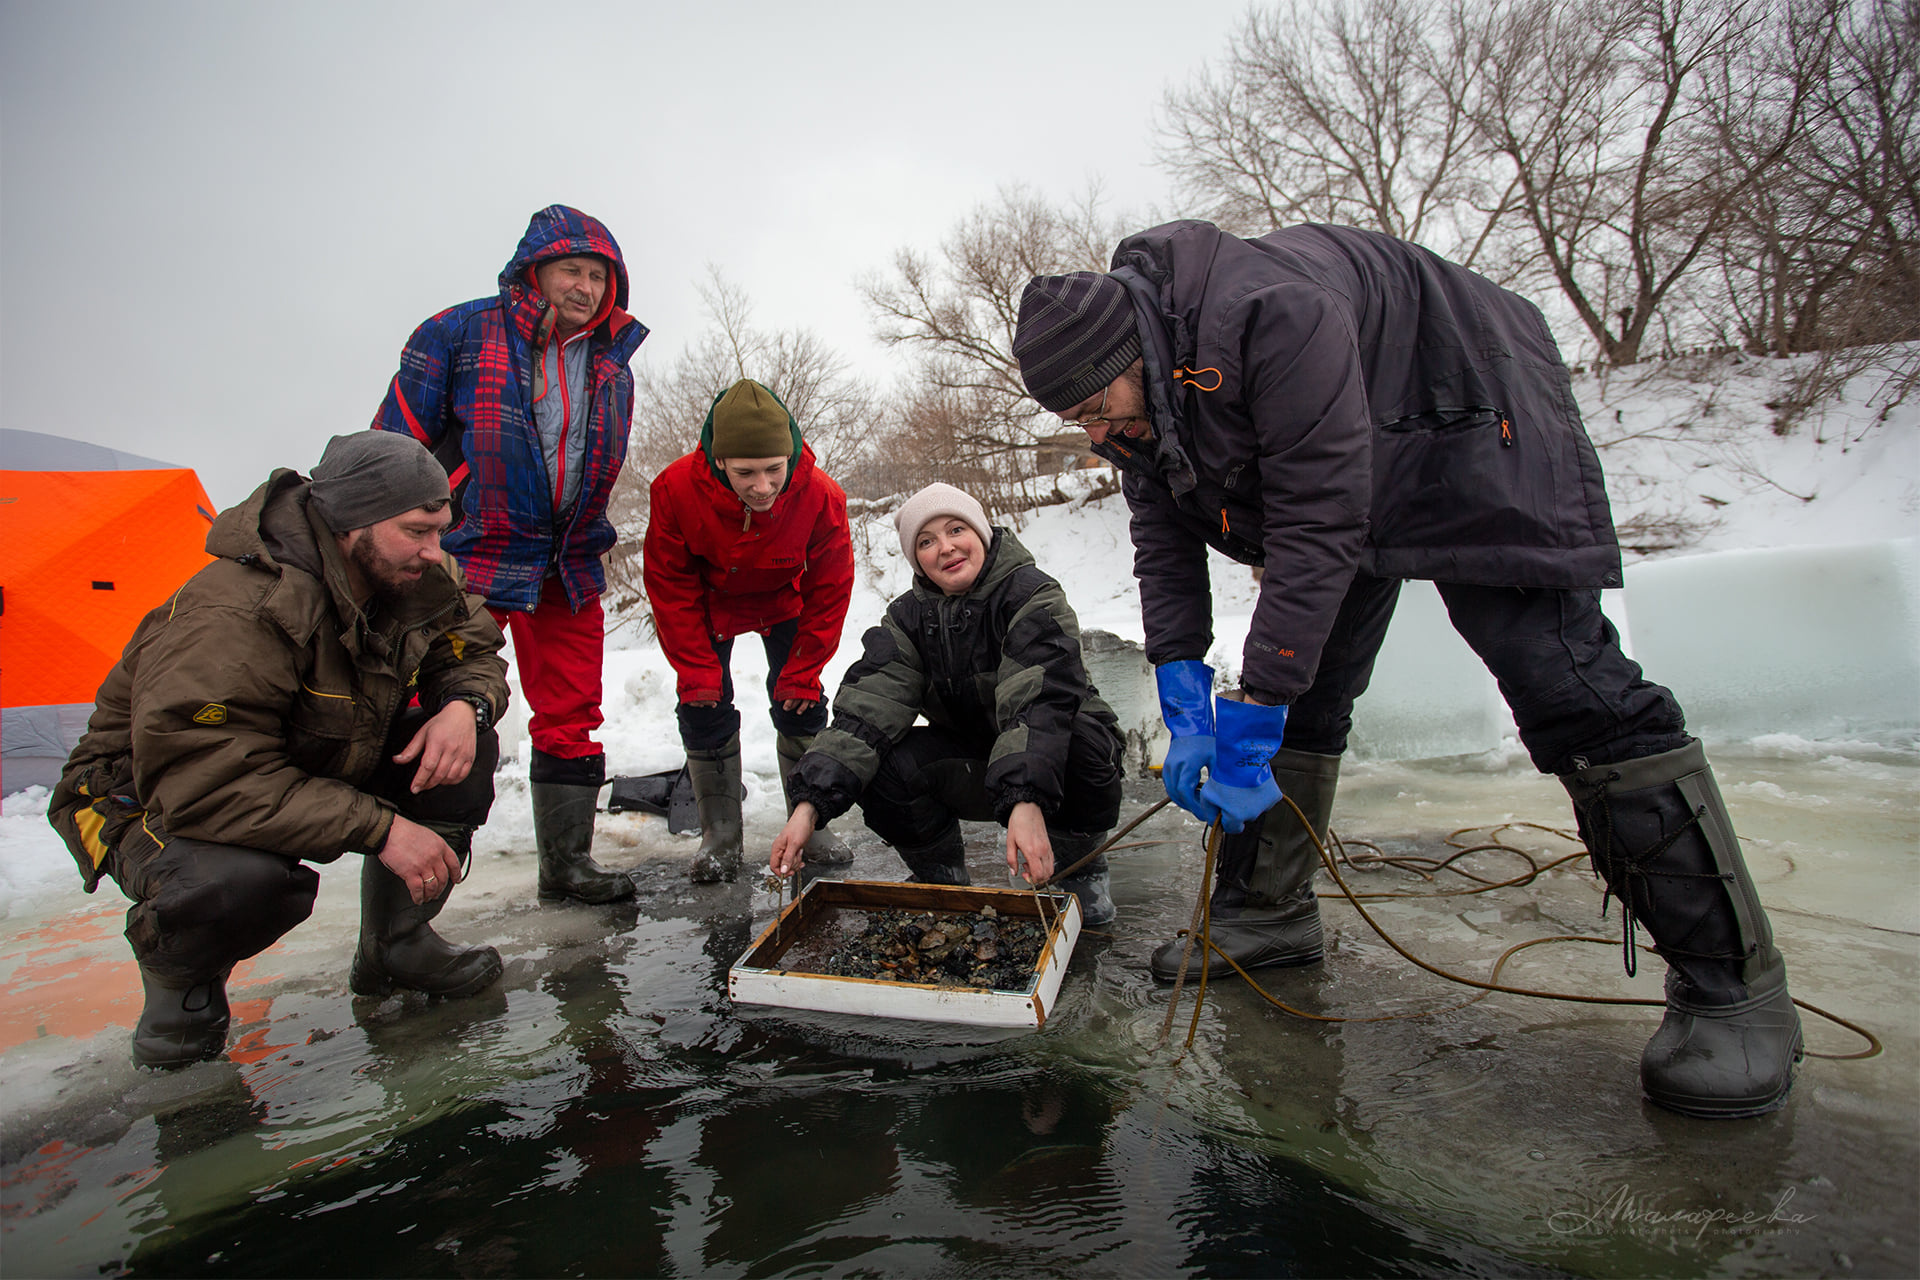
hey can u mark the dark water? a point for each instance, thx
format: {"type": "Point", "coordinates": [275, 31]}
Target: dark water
{"type": "Point", "coordinates": [554, 1133]}
{"type": "Point", "coordinates": [605, 1111]}
{"type": "Point", "coordinates": [776, 1165]}
{"type": "Point", "coordinates": [609, 1113]}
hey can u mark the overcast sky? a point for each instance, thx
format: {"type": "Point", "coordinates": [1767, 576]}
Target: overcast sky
{"type": "Point", "coordinates": [219, 222]}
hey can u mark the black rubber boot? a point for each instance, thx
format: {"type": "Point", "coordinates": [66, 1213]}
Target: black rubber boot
{"type": "Point", "coordinates": [565, 793]}
{"type": "Point", "coordinates": [563, 832]}
{"type": "Point", "coordinates": [1091, 884]}
{"type": "Point", "coordinates": [717, 792]}
{"type": "Point", "coordinates": [180, 1026]}
{"type": "Point", "coordinates": [1263, 912]}
{"type": "Point", "coordinates": [942, 862]}
{"type": "Point", "coordinates": [1659, 834]}
{"type": "Point", "coordinates": [824, 848]}
{"type": "Point", "coordinates": [398, 947]}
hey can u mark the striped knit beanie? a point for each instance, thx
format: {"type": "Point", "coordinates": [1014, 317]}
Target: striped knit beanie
{"type": "Point", "coordinates": [1075, 335]}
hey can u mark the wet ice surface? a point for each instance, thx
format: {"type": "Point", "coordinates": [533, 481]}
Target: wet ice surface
{"type": "Point", "coordinates": [604, 1110]}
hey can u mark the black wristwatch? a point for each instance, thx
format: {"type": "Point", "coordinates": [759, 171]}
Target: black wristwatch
{"type": "Point", "coordinates": [482, 710]}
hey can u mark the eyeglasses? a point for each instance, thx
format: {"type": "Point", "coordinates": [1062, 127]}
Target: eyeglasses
{"type": "Point", "coordinates": [1100, 416]}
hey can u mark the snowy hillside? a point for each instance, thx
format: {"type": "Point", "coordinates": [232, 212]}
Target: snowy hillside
{"type": "Point", "coordinates": [1687, 447]}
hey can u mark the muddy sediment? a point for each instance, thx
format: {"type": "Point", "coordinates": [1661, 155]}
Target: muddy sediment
{"type": "Point", "coordinates": [951, 949]}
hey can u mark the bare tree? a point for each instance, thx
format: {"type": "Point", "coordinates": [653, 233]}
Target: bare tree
{"type": "Point", "coordinates": [1347, 111]}
{"type": "Point", "coordinates": [1600, 108]}
{"type": "Point", "coordinates": [832, 406]}
{"type": "Point", "coordinates": [964, 411]}
{"type": "Point", "coordinates": [1763, 103]}
{"type": "Point", "coordinates": [1823, 253]}
{"type": "Point", "coordinates": [1679, 174]}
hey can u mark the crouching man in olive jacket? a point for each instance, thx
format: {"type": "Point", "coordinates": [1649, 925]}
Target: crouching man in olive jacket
{"type": "Point", "coordinates": [324, 686]}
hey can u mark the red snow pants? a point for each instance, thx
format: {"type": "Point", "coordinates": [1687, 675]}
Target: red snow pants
{"type": "Point", "coordinates": [559, 654]}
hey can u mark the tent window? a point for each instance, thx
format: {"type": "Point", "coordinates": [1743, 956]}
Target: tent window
{"type": "Point", "coordinates": [102, 586]}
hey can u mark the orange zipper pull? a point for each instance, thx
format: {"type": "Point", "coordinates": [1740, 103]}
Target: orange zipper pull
{"type": "Point", "coordinates": [1506, 432]}
{"type": "Point", "coordinates": [1190, 377]}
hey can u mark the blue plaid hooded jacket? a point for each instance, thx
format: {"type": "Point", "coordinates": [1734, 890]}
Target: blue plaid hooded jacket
{"type": "Point", "coordinates": [465, 390]}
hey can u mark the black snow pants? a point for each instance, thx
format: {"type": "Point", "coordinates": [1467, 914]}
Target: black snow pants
{"type": "Point", "coordinates": [934, 778]}
{"type": "Point", "coordinates": [1576, 698]}
{"type": "Point", "coordinates": [200, 907]}
{"type": "Point", "coordinates": [710, 728]}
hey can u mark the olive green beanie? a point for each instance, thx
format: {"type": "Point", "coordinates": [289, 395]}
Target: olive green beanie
{"type": "Point", "coordinates": [749, 423]}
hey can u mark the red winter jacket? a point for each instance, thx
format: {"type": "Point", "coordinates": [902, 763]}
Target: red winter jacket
{"type": "Point", "coordinates": [711, 579]}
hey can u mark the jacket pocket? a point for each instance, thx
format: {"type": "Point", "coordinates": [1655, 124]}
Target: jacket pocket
{"type": "Point", "coordinates": [1452, 419]}
{"type": "Point", "coordinates": [1451, 477]}
{"type": "Point", "coordinates": [320, 730]}
{"type": "Point", "coordinates": [93, 812]}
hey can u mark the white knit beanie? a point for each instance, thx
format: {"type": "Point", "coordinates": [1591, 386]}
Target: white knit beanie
{"type": "Point", "coordinates": [938, 500]}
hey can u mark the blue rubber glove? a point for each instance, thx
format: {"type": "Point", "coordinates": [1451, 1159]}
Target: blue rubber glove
{"type": "Point", "coordinates": [1240, 783]}
{"type": "Point", "coordinates": [1186, 704]}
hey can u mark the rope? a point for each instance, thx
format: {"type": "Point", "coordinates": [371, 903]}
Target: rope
{"type": "Point", "coordinates": [1148, 812]}
{"type": "Point", "coordinates": [1202, 922]}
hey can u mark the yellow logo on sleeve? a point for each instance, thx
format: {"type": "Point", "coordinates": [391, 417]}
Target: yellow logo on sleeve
{"type": "Point", "coordinates": [212, 713]}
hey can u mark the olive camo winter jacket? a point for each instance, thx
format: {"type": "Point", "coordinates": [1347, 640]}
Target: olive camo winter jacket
{"type": "Point", "coordinates": [250, 708]}
{"type": "Point", "coordinates": [998, 666]}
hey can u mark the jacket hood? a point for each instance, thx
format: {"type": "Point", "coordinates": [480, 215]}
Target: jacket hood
{"type": "Point", "coordinates": [1148, 265]}
{"type": "Point", "coordinates": [270, 528]}
{"type": "Point", "coordinates": [1157, 256]}
{"type": "Point", "coordinates": [793, 430]}
{"type": "Point", "coordinates": [560, 232]}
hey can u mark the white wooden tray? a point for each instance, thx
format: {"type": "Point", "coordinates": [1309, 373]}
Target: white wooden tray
{"type": "Point", "coordinates": [828, 909]}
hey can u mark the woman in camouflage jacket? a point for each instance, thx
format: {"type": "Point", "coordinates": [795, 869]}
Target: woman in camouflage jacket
{"type": "Point", "coordinates": [986, 648]}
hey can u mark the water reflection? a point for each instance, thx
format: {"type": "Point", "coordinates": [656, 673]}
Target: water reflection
{"type": "Point", "coordinates": [620, 1149]}
{"type": "Point", "coordinates": [606, 1112]}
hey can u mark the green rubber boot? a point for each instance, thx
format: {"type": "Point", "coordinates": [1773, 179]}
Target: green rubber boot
{"type": "Point", "coordinates": [563, 816]}
{"type": "Point", "coordinates": [398, 947]}
{"type": "Point", "coordinates": [181, 1025]}
{"type": "Point", "coordinates": [717, 792]}
{"type": "Point", "coordinates": [1264, 912]}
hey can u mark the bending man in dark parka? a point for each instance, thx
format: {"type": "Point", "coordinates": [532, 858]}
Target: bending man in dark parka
{"type": "Point", "coordinates": [1350, 411]}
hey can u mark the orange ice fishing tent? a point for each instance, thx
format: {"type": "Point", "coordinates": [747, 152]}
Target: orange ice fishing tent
{"type": "Point", "coordinates": [90, 540]}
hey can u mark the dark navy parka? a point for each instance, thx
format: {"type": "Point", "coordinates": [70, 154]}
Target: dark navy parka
{"type": "Point", "coordinates": [1327, 400]}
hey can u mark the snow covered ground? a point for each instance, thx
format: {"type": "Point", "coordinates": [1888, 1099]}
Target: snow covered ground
{"type": "Point", "coordinates": [1793, 614]}
{"type": "Point", "coordinates": [1789, 626]}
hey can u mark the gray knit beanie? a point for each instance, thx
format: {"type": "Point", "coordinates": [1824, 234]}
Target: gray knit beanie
{"type": "Point", "coordinates": [1075, 334]}
{"type": "Point", "coordinates": [373, 475]}
{"type": "Point", "coordinates": [938, 500]}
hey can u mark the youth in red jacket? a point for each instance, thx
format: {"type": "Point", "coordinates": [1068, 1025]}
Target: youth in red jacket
{"type": "Point", "coordinates": [747, 534]}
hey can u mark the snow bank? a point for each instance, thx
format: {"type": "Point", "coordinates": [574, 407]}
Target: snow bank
{"type": "Point", "coordinates": [1790, 623]}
